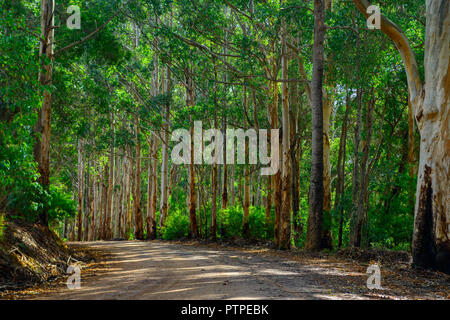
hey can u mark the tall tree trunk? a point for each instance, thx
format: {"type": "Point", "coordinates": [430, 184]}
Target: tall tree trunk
{"type": "Point", "coordinates": [215, 170]}
{"type": "Point", "coordinates": [105, 205]}
{"type": "Point", "coordinates": [153, 166]}
{"type": "Point", "coordinates": [295, 166]}
{"type": "Point", "coordinates": [232, 193]}
{"type": "Point", "coordinates": [355, 178]}
{"type": "Point", "coordinates": [357, 240]}
{"type": "Point", "coordinates": [198, 197]}
{"type": "Point", "coordinates": [154, 187]}
{"type": "Point", "coordinates": [268, 220]}
{"type": "Point", "coordinates": [285, 213]}
{"type": "Point", "coordinates": [125, 194]}
{"type": "Point", "coordinates": [214, 203]}
{"type": "Point", "coordinates": [246, 202]}
{"type": "Point", "coordinates": [65, 228]}
{"type": "Point", "coordinates": [431, 239]}
{"type": "Point", "coordinates": [224, 124]}
{"type": "Point", "coordinates": [338, 199]}
{"type": "Point", "coordinates": [139, 231]}
{"type": "Point", "coordinates": [268, 211]}
{"type": "Point", "coordinates": [88, 195]}
{"type": "Point", "coordinates": [326, 227]}
{"type": "Point", "coordinates": [80, 188]}
{"type": "Point", "coordinates": [117, 204]}
{"type": "Point", "coordinates": [163, 209]}
{"type": "Point", "coordinates": [127, 225]}
{"type": "Point", "coordinates": [42, 144]}
{"type": "Point", "coordinates": [192, 196]}
{"type": "Point", "coordinates": [314, 229]}
{"type": "Point", "coordinates": [276, 178]}
{"type": "Point", "coordinates": [109, 211]}
{"type": "Point", "coordinates": [102, 200]}
{"type": "Point", "coordinates": [148, 218]}
{"type": "Point", "coordinates": [121, 207]}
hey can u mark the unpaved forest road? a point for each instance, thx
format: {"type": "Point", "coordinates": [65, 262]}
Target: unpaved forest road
{"type": "Point", "coordinates": [160, 270]}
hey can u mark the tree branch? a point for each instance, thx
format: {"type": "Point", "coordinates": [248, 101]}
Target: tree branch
{"type": "Point", "coordinates": [401, 42]}
{"type": "Point", "coordinates": [90, 35]}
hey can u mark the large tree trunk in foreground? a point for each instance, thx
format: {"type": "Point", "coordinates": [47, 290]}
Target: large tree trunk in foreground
{"type": "Point", "coordinates": [430, 104]}
{"type": "Point", "coordinates": [431, 239]}
{"type": "Point", "coordinates": [314, 230]}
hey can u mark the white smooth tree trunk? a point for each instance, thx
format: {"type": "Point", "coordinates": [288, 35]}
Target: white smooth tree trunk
{"type": "Point", "coordinates": [163, 208]}
{"type": "Point", "coordinates": [430, 105]}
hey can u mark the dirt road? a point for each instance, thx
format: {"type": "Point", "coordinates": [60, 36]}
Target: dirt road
{"type": "Point", "coordinates": [158, 270]}
{"type": "Point", "coordinates": [161, 270]}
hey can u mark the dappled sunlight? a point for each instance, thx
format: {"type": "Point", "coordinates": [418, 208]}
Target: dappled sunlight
{"type": "Point", "coordinates": [142, 270]}
{"type": "Point", "coordinates": [277, 272]}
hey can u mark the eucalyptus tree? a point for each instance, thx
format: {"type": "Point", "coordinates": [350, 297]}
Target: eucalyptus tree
{"type": "Point", "coordinates": [429, 104]}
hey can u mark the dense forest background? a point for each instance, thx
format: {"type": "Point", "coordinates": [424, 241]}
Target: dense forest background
{"type": "Point", "coordinates": [137, 70]}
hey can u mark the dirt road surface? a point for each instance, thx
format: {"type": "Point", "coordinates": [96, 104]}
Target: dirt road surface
{"type": "Point", "coordinates": [158, 270]}
{"type": "Point", "coordinates": [161, 270]}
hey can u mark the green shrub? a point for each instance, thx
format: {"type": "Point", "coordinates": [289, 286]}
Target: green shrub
{"type": "Point", "coordinates": [257, 222]}
{"type": "Point", "coordinates": [30, 201]}
{"type": "Point", "coordinates": [176, 226]}
{"type": "Point", "coordinates": [61, 205]}
{"type": "Point", "coordinates": [229, 222]}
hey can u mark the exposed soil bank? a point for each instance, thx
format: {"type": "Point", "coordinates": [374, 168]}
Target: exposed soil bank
{"type": "Point", "coordinates": [32, 254]}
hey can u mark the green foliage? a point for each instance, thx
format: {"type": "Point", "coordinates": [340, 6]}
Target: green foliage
{"type": "Point", "coordinates": [176, 226]}
{"type": "Point", "coordinates": [2, 227]}
{"type": "Point", "coordinates": [257, 223]}
{"type": "Point", "coordinates": [108, 80]}
{"type": "Point", "coordinates": [61, 205]}
{"type": "Point", "coordinates": [30, 200]}
{"type": "Point", "coordinates": [229, 222]}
